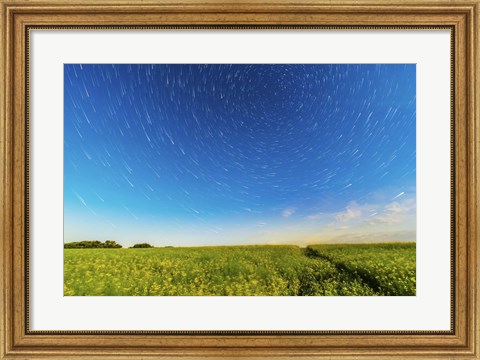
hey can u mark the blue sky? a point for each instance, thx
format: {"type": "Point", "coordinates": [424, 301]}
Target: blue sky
{"type": "Point", "coordinates": [204, 154]}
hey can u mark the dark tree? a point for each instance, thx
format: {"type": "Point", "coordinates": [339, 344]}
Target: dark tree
{"type": "Point", "coordinates": [142, 246]}
{"type": "Point", "coordinates": [112, 244]}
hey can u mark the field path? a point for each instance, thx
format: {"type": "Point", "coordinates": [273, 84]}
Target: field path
{"type": "Point", "coordinates": [366, 279]}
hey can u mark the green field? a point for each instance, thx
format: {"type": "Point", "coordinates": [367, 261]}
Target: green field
{"type": "Point", "coordinates": [262, 270]}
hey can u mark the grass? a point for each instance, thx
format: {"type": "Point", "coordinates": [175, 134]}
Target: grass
{"type": "Point", "coordinates": [389, 269]}
{"type": "Point", "coordinates": [261, 270]}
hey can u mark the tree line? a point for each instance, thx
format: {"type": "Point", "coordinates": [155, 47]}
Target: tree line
{"type": "Point", "coordinates": [95, 244]}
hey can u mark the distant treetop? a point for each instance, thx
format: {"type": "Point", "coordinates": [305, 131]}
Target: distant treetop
{"type": "Point", "coordinates": [142, 245]}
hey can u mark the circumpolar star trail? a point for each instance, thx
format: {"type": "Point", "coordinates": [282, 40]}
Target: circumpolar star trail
{"type": "Point", "coordinates": [188, 154]}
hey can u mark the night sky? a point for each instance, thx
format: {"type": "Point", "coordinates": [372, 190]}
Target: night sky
{"type": "Point", "coordinates": [188, 154]}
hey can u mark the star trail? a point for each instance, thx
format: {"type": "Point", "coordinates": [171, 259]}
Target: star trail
{"type": "Point", "coordinates": [187, 154]}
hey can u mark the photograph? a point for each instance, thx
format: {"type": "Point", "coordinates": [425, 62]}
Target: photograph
{"type": "Point", "coordinates": [239, 179]}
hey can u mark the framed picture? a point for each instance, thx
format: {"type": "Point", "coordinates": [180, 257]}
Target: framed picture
{"type": "Point", "coordinates": [239, 180]}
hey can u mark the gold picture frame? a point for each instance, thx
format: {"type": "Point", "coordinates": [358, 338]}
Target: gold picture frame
{"type": "Point", "coordinates": [19, 17]}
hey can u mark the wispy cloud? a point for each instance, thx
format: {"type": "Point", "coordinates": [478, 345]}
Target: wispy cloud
{"type": "Point", "coordinates": [399, 212]}
{"type": "Point", "coordinates": [286, 213]}
{"type": "Point", "coordinates": [395, 212]}
{"type": "Point", "coordinates": [316, 216]}
{"type": "Point", "coordinates": [352, 211]}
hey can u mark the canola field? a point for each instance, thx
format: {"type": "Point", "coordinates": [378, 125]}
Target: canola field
{"type": "Point", "coordinates": [259, 270]}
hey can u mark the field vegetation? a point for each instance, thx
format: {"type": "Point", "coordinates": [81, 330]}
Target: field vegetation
{"type": "Point", "coordinates": [261, 270]}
